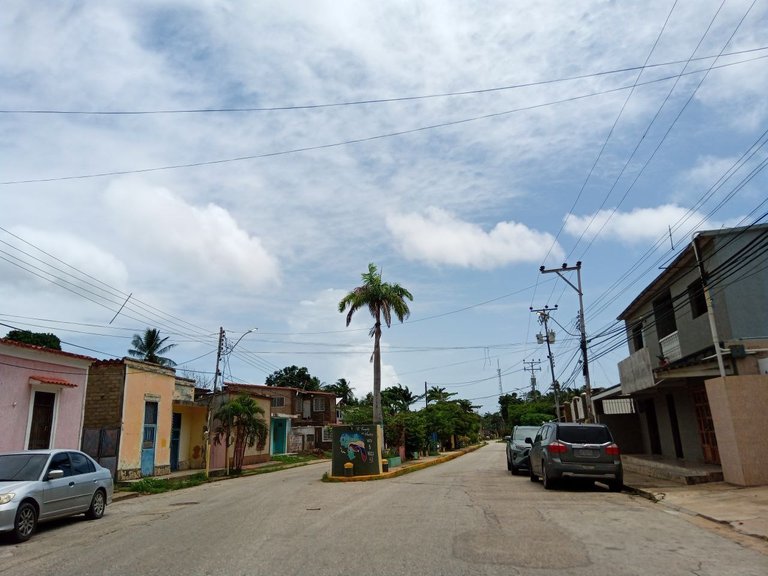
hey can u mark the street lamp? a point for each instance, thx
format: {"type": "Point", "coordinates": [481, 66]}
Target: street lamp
{"type": "Point", "coordinates": [222, 350]}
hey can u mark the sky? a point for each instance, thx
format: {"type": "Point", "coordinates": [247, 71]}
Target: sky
{"type": "Point", "coordinates": [191, 166]}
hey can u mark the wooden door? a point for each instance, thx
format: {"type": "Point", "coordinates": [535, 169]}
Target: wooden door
{"type": "Point", "coordinates": [705, 425]}
{"type": "Point", "coordinates": [42, 420]}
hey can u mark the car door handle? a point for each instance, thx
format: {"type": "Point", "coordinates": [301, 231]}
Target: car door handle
{"type": "Point", "coordinates": [71, 484]}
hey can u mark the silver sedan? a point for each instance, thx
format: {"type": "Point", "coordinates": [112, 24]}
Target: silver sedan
{"type": "Point", "coordinates": [40, 485]}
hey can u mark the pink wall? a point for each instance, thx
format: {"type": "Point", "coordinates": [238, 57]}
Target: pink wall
{"type": "Point", "coordinates": [19, 363]}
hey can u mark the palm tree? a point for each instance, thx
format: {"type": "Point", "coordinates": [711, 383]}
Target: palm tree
{"type": "Point", "coordinates": [243, 418]}
{"type": "Point", "coordinates": [382, 300]}
{"type": "Point", "coordinates": [150, 347]}
{"type": "Point", "coordinates": [343, 391]}
{"type": "Point", "coordinates": [438, 394]}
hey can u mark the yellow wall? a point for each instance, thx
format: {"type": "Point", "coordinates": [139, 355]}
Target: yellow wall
{"type": "Point", "coordinates": [143, 385]}
{"type": "Point", "coordinates": [252, 454]}
{"type": "Point", "coordinates": [191, 445]}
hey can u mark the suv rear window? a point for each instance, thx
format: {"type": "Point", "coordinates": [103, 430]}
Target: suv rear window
{"type": "Point", "coordinates": [584, 434]}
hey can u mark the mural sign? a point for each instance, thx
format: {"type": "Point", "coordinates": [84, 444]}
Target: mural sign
{"type": "Point", "coordinates": [360, 445]}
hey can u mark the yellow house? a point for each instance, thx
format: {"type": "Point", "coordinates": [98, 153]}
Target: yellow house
{"type": "Point", "coordinates": [128, 407]}
{"type": "Point", "coordinates": [188, 424]}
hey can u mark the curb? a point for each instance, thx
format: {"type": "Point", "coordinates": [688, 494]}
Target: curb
{"type": "Point", "coordinates": [404, 469]}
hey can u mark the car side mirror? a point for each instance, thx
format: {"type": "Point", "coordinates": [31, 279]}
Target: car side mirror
{"type": "Point", "coordinates": [55, 474]}
{"type": "Point", "coordinates": [506, 438]}
{"type": "Point", "coordinates": [529, 441]}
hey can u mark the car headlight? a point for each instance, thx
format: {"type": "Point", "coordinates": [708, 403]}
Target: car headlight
{"type": "Point", "coordinates": [5, 498]}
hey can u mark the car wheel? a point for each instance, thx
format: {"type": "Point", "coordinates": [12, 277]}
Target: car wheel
{"type": "Point", "coordinates": [98, 504]}
{"type": "Point", "coordinates": [514, 469]}
{"type": "Point", "coordinates": [549, 484]}
{"type": "Point", "coordinates": [25, 523]}
{"type": "Point", "coordinates": [509, 465]}
{"type": "Point", "coordinates": [617, 484]}
{"type": "Point", "coordinates": [532, 474]}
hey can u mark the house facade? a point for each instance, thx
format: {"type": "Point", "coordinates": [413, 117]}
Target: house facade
{"type": "Point", "coordinates": [128, 417]}
{"type": "Point", "coordinates": [42, 396]}
{"type": "Point", "coordinates": [698, 365]}
{"type": "Point", "coordinates": [300, 420]}
{"type": "Point", "coordinates": [188, 423]}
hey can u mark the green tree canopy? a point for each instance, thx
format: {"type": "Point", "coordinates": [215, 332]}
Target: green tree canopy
{"type": "Point", "coordinates": [382, 300]}
{"type": "Point", "coordinates": [150, 347]}
{"type": "Point", "coordinates": [240, 421]}
{"type": "Point", "coordinates": [397, 399]}
{"type": "Point", "coordinates": [294, 377]}
{"type": "Point", "coordinates": [45, 340]}
{"type": "Point", "coordinates": [343, 391]}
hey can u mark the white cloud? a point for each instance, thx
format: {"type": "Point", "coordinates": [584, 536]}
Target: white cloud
{"type": "Point", "coordinates": [440, 238]}
{"type": "Point", "coordinates": [642, 225]}
{"type": "Point", "coordinates": [182, 240]}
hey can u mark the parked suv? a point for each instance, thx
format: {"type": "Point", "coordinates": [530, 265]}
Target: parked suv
{"type": "Point", "coordinates": [517, 447]}
{"type": "Point", "coordinates": [576, 450]}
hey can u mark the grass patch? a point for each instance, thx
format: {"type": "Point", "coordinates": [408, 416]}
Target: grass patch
{"type": "Point", "coordinates": [158, 485]}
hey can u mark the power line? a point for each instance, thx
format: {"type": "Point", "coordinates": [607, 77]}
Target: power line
{"type": "Point", "coordinates": [352, 141]}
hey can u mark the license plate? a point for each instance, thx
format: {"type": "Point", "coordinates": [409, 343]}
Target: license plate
{"type": "Point", "coordinates": [586, 453]}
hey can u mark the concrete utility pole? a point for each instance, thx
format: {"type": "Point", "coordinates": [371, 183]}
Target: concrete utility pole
{"type": "Point", "coordinates": [533, 368]}
{"type": "Point", "coordinates": [710, 307]}
{"type": "Point", "coordinates": [549, 337]}
{"type": "Point", "coordinates": [209, 440]}
{"type": "Point", "coordinates": [582, 327]}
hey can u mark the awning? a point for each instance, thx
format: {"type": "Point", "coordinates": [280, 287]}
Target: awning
{"type": "Point", "coordinates": [51, 380]}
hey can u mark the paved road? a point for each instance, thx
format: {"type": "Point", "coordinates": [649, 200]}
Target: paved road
{"type": "Point", "coordinates": [467, 516]}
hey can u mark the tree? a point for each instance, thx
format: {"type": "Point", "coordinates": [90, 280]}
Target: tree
{"type": "Point", "coordinates": [242, 418]}
{"type": "Point", "coordinates": [343, 391]}
{"type": "Point", "coordinates": [437, 394]}
{"type": "Point", "coordinates": [45, 340]}
{"type": "Point", "coordinates": [397, 399]}
{"type": "Point", "coordinates": [293, 377]}
{"type": "Point", "coordinates": [150, 348]}
{"type": "Point", "coordinates": [382, 300]}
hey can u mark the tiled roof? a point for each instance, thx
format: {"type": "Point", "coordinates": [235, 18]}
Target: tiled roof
{"type": "Point", "coordinates": [51, 380]}
{"type": "Point", "coordinates": [44, 349]}
{"type": "Point", "coordinates": [266, 388]}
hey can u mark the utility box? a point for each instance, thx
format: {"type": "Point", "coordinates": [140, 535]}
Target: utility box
{"type": "Point", "coordinates": [359, 445]}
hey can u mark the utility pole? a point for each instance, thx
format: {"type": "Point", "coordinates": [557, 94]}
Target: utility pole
{"type": "Point", "coordinates": [710, 307]}
{"type": "Point", "coordinates": [549, 337]}
{"type": "Point", "coordinates": [582, 326]}
{"type": "Point", "coordinates": [534, 366]}
{"type": "Point", "coordinates": [426, 397]}
{"type": "Point", "coordinates": [498, 371]}
{"type": "Point", "coordinates": [209, 440]}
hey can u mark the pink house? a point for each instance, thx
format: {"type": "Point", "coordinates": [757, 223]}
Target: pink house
{"type": "Point", "coordinates": [42, 397]}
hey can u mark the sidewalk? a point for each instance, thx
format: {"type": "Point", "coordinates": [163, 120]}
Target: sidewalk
{"type": "Point", "coordinates": [743, 509]}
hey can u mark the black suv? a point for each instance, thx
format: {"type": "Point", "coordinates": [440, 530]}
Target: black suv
{"type": "Point", "coordinates": [576, 450]}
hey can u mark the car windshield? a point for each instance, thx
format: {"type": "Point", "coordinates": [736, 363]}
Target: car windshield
{"type": "Point", "coordinates": [522, 433]}
{"type": "Point", "coordinates": [584, 434]}
{"type": "Point", "coordinates": [20, 467]}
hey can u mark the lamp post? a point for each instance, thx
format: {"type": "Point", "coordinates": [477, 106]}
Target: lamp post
{"type": "Point", "coordinates": [222, 350]}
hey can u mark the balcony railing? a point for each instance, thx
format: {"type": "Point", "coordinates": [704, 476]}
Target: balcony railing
{"type": "Point", "coordinates": [670, 347]}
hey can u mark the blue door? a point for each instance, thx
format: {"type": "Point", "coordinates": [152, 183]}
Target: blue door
{"type": "Point", "coordinates": [279, 431]}
{"type": "Point", "coordinates": [175, 440]}
{"type": "Point", "coordinates": [148, 439]}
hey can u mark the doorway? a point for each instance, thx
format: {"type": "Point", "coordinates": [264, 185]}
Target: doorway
{"type": "Point", "coordinates": [148, 439]}
{"type": "Point", "coordinates": [40, 430]}
{"type": "Point", "coordinates": [175, 440]}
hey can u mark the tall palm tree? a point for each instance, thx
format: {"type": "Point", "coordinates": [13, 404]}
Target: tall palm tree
{"type": "Point", "coordinates": [150, 346]}
{"type": "Point", "coordinates": [438, 394]}
{"type": "Point", "coordinates": [382, 300]}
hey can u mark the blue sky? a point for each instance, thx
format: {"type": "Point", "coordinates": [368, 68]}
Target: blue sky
{"type": "Point", "coordinates": [467, 145]}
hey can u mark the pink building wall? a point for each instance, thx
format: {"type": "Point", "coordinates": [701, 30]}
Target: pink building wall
{"type": "Point", "coordinates": [25, 369]}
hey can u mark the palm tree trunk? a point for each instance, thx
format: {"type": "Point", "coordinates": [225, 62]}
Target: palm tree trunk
{"type": "Point", "coordinates": [377, 416]}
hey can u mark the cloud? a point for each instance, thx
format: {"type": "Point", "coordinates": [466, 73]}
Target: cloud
{"type": "Point", "coordinates": [438, 237]}
{"type": "Point", "coordinates": [187, 241]}
{"type": "Point", "coordinates": [641, 225]}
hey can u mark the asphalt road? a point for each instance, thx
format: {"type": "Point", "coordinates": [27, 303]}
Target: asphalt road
{"type": "Point", "coordinates": [467, 516]}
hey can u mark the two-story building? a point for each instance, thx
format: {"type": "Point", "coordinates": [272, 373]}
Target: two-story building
{"type": "Point", "coordinates": [698, 369]}
{"type": "Point", "coordinates": [299, 419]}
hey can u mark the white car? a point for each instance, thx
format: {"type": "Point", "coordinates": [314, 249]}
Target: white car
{"type": "Point", "coordinates": [40, 485]}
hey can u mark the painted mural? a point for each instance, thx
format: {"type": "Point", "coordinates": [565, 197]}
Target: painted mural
{"type": "Point", "coordinates": [358, 445]}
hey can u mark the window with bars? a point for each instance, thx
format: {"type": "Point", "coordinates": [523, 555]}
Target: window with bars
{"type": "Point", "coordinates": [318, 404]}
{"type": "Point", "coordinates": [278, 401]}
